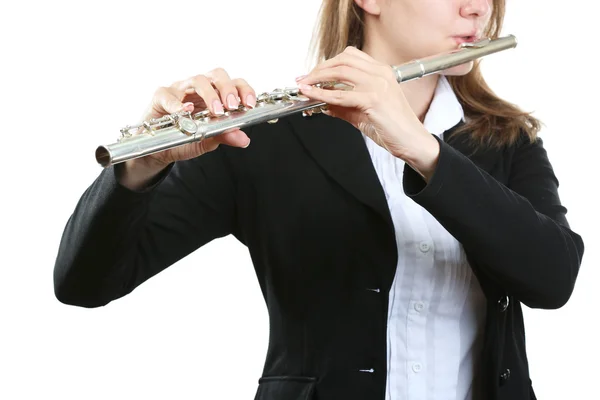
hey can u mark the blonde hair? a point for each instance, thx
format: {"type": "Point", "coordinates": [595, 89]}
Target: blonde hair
{"type": "Point", "coordinates": [490, 120]}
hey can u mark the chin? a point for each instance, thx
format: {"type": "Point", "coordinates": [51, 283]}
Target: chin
{"type": "Point", "coordinates": [459, 70]}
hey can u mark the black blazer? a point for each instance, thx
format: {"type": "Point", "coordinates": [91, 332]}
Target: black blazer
{"type": "Point", "coordinates": [306, 201]}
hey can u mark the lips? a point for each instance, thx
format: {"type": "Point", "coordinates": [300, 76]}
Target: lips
{"type": "Point", "coordinates": [465, 39]}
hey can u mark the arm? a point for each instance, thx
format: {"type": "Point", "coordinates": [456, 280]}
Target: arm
{"type": "Point", "coordinates": [518, 234]}
{"type": "Point", "coordinates": [117, 238]}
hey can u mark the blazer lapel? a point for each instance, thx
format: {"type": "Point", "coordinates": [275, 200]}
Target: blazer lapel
{"type": "Point", "coordinates": [339, 148]}
{"type": "Point", "coordinates": [482, 156]}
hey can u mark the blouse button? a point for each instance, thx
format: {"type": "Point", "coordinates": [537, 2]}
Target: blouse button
{"type": "Point", "coordinates": [504, 376]}
{"type": "Point", "coordinates": [503, 302]}
{"type": "Point", "coordinates": [424, 246]}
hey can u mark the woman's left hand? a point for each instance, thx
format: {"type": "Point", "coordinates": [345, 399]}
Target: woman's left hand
{"type": "Point", "coordinates": [376, 106]}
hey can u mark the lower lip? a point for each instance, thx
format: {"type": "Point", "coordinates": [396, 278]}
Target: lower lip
{"type": "Point", "coordinates": [464, 39]}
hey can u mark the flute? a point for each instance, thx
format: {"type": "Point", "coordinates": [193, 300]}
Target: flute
{"type": "Point", "coordinates": [159, 134]}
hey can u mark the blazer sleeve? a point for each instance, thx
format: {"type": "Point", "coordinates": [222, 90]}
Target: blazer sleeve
{"type": "Point", "coordinates": [517, 233]}
{"type": "Point", "coordinates": [117, 238]}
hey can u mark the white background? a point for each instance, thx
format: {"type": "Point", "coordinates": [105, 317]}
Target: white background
{"type": "Point", "coordinates": [73, 73]}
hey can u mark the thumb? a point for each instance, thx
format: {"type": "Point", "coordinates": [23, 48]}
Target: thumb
{"type": "Point", "coordinates": [234, 138]}
{"type": "Point", "coordinates": [208, 145]}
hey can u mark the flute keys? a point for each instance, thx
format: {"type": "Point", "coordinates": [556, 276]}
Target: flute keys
{"type": "Point", "coordinates": [187, 126]}
{"type": "Point", "coordinates": [125, 133]}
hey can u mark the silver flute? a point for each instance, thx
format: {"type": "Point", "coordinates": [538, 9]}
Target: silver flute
{"type": "Point", "coordinates": [159, 134]}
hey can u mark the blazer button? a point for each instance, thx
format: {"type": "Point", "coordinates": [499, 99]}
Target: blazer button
{"type": "Point", "coordinates": [504, 376]}
{"type": "Point", "coordinates": [503, 302]}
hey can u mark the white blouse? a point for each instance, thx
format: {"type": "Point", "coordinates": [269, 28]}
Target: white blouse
{"type": "Point", "coordinates": [436, 306]}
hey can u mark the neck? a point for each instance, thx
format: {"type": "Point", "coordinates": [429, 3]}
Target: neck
{"type": "Point", "coordinates": [418, 92]}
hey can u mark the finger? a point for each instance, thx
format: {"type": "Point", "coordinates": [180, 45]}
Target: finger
{"type": "Point", "coordinates": [234, 138]}
{"type": "Point", "coordinates": [359, 53]}
{"type": "Point", "coordinates": [347, 60]}
{"type": "Point", "coordinates": [378, 67]}
{"type": "Point", "coordinates": [227, 90]}
{"type": "Point", "coordinates": [342, 73]}
{"type": "Point", "coordinates": [245, 92]}
{"type": "Point", "coordinates": [187, 86]}
{"type": "Point", "coordinates": [202, 85]}
{"type": "Point", "coordinates": [344, 98]}
{"type": "Point", "coordinates": [167, 100]}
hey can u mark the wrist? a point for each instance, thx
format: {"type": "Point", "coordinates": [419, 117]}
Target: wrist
{"type": "Point", "coordinates": [137, 174]}
{"type": "Point", "coordinates": [423, 156]}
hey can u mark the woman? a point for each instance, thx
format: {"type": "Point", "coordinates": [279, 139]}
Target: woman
{"type": "Point", "coordinates": [394, 239]}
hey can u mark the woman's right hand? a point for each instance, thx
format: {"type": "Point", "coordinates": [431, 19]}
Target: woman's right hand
{"type": "Point", "coordinates": [213, 90]}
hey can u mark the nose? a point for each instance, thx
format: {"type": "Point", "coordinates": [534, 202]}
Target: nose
{"type": "Point", "coordinates": [478, 8]}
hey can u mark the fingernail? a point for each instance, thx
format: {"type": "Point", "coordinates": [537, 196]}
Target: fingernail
{"type": "Point", "coordinates": [251, 101]}
{"type": "Point", "coordinates": [186, 106]}
{"type": "Point", "coordinates": [247, 144]}
{"type": "Point", "coordinates": [218, 107]}
{"type": "Point", "coordinates": [232, 103]}
{"type": "Point", "coordinates": [300, 77]}
{"type": "Point", "coordinates": [305, 87]}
